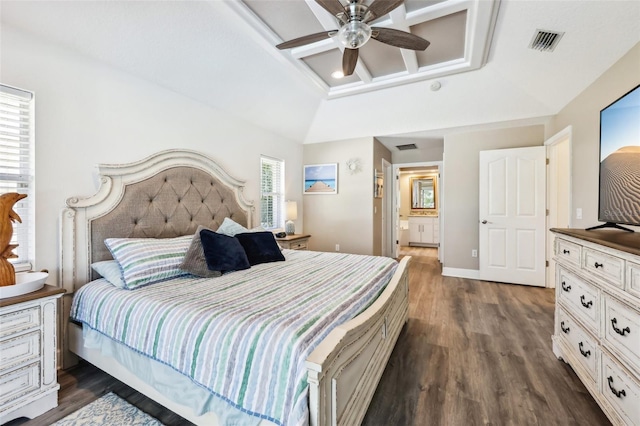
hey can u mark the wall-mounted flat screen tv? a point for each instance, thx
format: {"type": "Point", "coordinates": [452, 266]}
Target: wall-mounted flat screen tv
{"type": "Point", "coordinates": [620, 161]}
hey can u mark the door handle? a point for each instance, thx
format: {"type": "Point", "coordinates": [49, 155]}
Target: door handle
{"type": "Point", "coordinates": [484, 222]}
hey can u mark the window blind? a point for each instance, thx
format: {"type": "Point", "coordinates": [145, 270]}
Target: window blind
{"type": "Point", "coordinates": [17, 167]}
{"type": "Point", "coordinates": [272, 192]}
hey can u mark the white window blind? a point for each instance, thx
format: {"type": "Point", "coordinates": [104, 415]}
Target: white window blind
{"type": "Point", "coordinates": [17, 167]}
{"type": "Point", "coordinates": [272, 193]}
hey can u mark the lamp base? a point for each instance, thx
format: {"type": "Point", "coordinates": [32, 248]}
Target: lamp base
{"type": "Point", "coordinates": [289, 227]}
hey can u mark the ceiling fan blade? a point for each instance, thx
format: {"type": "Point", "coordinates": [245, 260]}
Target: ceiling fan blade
{"type": "Point", "coordinates": [334, 7]}
{"type": "Point", "coordinates": [301, 41]}
{"type": "Point", "coordinates": [398, 38]}
{"type": "Point", "coordinates": [349, 61]}
{"type": "Point", "coordinates": [381, 7]}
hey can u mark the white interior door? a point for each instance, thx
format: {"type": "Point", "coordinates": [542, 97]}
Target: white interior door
{"type": "Point", "coordinates": [512, 215]}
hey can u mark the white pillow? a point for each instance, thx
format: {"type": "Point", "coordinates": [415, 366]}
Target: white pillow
{"type": "Point", "coordinates": [230, 228]}
{"type": "Point", "coordinates": [110, 271]}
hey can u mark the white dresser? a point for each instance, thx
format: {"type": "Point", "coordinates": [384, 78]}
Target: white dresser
{"type": "Point", "coordinates": [597, 317]}
{"type": "Point", "coordinates": [424, 230]}
{"type": "Point", "coordinates": [28, 346]}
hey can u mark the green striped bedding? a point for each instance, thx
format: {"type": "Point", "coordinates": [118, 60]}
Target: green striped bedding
{"type": "Point", "coordinates": [243, 336]}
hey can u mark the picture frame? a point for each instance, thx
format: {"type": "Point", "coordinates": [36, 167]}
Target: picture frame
{"type": "Point", "coordinates": [320, 179]}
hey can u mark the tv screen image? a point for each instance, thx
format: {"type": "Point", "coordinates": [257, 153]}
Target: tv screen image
{"type": "Point", "coordinates": [620, 160]}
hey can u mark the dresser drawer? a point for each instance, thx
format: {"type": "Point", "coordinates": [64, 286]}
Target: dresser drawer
{"type": "Point", "coordinates": [19, 350]}
{"type": "Point", "coordinates": [583, 346]}
{"type": "Point", "coordinates": [581, 298]}
{"type": "Point", "coordinates": [19, 383]}
{"type": "Point", "coordinates": [603, 265]}
{"type": "Point", "coordinates": [622, 329]}
{"type": "Point", "coordinates": [568, 251]}
{"type": "Point", "coordinates": [621, 391]}
{"type": "Point", "coordinates": [18, 321]}
{"type": "Point", "coordinates": [633, 278]}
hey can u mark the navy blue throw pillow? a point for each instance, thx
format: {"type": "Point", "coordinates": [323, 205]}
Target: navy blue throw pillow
{"type": "Point", "coordinates": [223, 253]}
{"type": "Point", "coordinates": [260, 247]}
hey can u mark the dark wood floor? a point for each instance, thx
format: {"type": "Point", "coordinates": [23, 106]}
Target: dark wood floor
{"type": "Point", "coordinates": [472, 353]}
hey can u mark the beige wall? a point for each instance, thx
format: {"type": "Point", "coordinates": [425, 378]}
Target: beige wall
{"type": "Point", "coordinates": [418, 155]}
{"type": "Point", "coordinates": [88, 113]}
{"type": "Point", "coordinates": [379, 152]}
{"type": "Point", "coordinates": [583, 114]}
{"type": "Point", "coordinates": [347, 217]}
{"type": "Point", "coordinates": [461, 193]}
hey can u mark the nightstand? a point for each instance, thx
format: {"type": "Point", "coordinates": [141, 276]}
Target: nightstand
{"type": "Point", "coordinates": [295, 241]}
{"type": "Point", "coordinates": [28, 347]}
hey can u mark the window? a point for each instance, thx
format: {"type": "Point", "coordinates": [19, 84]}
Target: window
{"type": "Point", "coordinates": [17, 167]}
{"type": "Point", "coordinates": [272, 193]}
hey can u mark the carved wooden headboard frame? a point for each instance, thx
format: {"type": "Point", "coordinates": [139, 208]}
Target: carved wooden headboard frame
{"type": "Point", "coordinates": [121, 207]}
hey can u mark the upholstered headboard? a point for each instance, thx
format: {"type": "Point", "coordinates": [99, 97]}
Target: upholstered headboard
{"type": "Point", "coordinates": [166, 195]}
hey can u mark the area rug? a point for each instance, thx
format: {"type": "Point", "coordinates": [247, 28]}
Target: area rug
{"type": "Point", "coordinates": [108, 410]}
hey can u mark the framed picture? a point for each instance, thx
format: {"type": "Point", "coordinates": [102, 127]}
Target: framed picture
{"type": "Point", "coordinates": [321, 179]}
{"type": "Point", "coordinates": [378, 182]}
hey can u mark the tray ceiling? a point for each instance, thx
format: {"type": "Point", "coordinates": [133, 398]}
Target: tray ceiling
{"type": "Point", "coordinates": [459, 31]}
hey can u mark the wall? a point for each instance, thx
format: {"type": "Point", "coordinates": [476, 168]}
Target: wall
{"type": "Point", "coordinates": [379, 152]}
{"type": "Point", "coordinates": [461, 192]}
{"type": "Point", "coordinates": [423, 155]}
{"type": "Point", "coordinates": [345, 218]}
{"type": "Point", "coordinates": [583, 114]}
{"type": "Point", "coordinates": [88, 113]}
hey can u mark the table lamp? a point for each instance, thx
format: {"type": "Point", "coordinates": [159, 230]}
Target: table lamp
{"type": "Point", "coordinates": [291, 215]}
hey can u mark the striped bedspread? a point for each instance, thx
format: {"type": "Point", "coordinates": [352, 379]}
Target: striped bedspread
{"type": "Point", "coordinates": [243, 336]}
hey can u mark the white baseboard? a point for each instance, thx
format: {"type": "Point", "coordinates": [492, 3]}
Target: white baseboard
{"type": "Point", "coordinates": [472, 274]}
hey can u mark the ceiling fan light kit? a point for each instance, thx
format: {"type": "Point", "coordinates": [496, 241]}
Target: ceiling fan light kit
{"type": "Point", "coordinates": [355, 31]}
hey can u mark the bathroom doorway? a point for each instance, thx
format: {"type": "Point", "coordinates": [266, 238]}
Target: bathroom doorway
{"type": "Point", "coordinates": [418, 198]}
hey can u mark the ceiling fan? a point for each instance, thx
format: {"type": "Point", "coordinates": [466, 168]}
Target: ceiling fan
{"type": "Point", "coordinates": [355, 31]}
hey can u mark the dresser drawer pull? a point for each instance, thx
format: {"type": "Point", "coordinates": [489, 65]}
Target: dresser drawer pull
{"type": "Point", "coordinates": [583, 352]}
{"type": "Point", "coordinates": [564, 330]}
{"type": "Point", "coordinates": [619, 393]}
{"type": "Point", "coordinates": [614, 321]}
{"type": "Point", "coordinates": [586, 304]}
{"type": "Point", "coordinates": [565, 287]}
{"type": "Point", "coordinates": [598, 265]}
{"type": "Point", "coordinates": [566, 252]}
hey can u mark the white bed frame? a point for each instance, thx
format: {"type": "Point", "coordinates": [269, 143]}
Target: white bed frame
{"type": "Point", "coordinates": [343, 371]}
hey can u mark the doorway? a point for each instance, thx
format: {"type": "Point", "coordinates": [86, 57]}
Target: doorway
{"type": "Point", "coordinates": [558, 192]}
{"type": "Point", "coordinates": [416, 227]}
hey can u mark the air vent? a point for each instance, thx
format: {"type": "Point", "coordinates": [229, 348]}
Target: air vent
{"type": "Point", "coordinates": [407, 146]}
{"type": "Point", "coordinates": [545, 41]}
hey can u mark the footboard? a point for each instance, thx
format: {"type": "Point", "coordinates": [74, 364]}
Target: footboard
{"type": "Point", "coordinates": [344, 371]}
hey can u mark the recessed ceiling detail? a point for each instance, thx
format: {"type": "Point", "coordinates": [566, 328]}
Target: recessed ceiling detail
{"type": "Point", "coordinates": [459, 32]}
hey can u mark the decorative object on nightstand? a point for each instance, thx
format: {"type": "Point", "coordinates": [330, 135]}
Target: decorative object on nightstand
{"type": "Point", "coordinates": [292, 214]}
{"type": "Point", "coordinates": [295, 242]}
{"type": "Point", "coordinates": [28, 348]}
{"type": "Point", "coordinates": [7, 217]}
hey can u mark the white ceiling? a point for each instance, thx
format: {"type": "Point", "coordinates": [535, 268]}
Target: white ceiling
{"type": "Point", "coordinates": [212, 53]}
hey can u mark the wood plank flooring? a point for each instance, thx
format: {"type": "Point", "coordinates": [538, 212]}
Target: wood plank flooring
{"type": "Point", "coordinates": [472, 353]}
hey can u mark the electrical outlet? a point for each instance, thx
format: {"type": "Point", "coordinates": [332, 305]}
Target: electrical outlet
{"type": "Point", "coordinates": [578, 213]}
{"type": "Point", "coordinates": [337, 247]}
{"type": "Point", "coordinates": [474, 253]}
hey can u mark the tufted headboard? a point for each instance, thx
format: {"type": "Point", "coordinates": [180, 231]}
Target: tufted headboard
{"type": "Point", "coordinates": [166, 195]}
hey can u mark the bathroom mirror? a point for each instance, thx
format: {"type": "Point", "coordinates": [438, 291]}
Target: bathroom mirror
{"type": "Point", "coordinates": [424, 192]}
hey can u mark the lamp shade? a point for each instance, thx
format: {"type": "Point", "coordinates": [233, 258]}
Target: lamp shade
{"type": "Point", "coordinates": [292, 210]}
